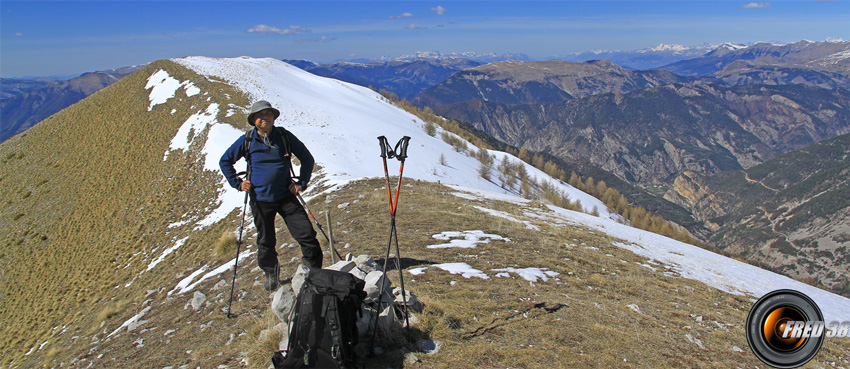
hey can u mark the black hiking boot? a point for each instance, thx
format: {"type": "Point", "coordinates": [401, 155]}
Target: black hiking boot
{"type": "Point", "coordinates": [272, 279]}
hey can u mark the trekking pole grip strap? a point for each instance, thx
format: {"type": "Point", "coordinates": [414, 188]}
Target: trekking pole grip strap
{"type": "Point", "coordinates": [401, 148]}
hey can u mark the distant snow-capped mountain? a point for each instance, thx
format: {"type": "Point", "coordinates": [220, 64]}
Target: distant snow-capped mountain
{"type": "Point", "coordinates": [827, 56]}
{"type": "Point", "coordinates": [641, 59]}
{"type": "Point", "coordinates": [471, 55]}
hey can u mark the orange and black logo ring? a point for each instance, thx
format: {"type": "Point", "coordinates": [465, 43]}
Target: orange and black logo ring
{"type": "Point", "coordinates": [775, 328]}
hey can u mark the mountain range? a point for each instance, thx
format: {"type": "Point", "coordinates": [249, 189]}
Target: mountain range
{"type": "Point", "coordinates": [790, 214]}
{"type": "Point", "coordinates": [109, 260]}
{"type": "Point", "coordinates": [756, 104]}
{"type": "Point", "coordinates": [819, 56]}
{"type": "Point", "coordinates": [643, 59]}
{"type": "Point", "coordinates": [519, 82]}
{"type": "Point", "coordinates": [11, 87]}
{"type": "Point", "coordinates": [23, 107]}
{"type": "Point", "coordinates": [651, 135]}
{"type": "Point", "coordinates": [405, 78]}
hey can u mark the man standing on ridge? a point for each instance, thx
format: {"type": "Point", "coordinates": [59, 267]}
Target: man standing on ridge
{"type": "Point", "coordinates": [272, 189]}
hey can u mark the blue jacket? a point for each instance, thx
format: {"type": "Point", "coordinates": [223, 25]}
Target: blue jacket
{"type": "Point", "coordinates": [270, 168]}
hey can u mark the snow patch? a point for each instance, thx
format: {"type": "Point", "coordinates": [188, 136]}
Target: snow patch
{"type": "Point", "coordinates": [499, 214]}
{"type": "Point", "coordinates": [530, 274]}
{"type": "Point", "coordinates": [837, 57]}
{"type": "Point", "coordinates": [189, 283]}
{"type": "Point", "coordinates": [470, 239]}
{"type": "Point", "coordinates": [463, 269]}
{"type": "Point", "coordinates": [191, 89]}
{"type": "Point", "coordinates": [131, 321]}
{"type": "Point", "coordinates": [162, 86]}
{"type": "Point", "coordinates": [167, 252]}
{"type": "Point", "coordinates": [193, 127]}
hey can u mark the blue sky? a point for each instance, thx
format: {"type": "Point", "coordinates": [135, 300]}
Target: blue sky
{"type": "Point", "coordinates": [49, 38]}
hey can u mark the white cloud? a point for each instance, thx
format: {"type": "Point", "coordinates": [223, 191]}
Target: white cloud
{"type": "Point", "coordinates": [315, 40]}
{"type": "Point", "coordinates": [413, 26]}
{"type": "Point", "coordinates": [269, 29]}
{"type": "Point", "coordinates": [755, 6]}
{"type": "Point", "coordinates": [439, 9]}
{"type": "Point", "coordinates": [402, 15]}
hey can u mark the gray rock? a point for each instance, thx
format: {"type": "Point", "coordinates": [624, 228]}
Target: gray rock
{"type": "Point", "coordinates": [374, 279]}
{"type": "Point", "coordinates": [198, 300]}
{"type": "Point", "coordinates": [357, 272]}
{"type": "Point", "coordinates": [412, 301]}
{"type": "Point", "coordinates": [366, 263]}
{"type": "Point", "coordinates": [221, 283]}
{"type": "Point", "coordinates": [138, 322]}
{"type": "Point", "coordinates": [282, 301]}
{"type": "Point", "coordinates": [695, 340]}
{"type": "Point", "coordinates": [343, 266]}
{"type": "Point", "coordinates": [635, 308]}
{"type": "Point", "coordinates": [298, 278]}
{"type": "Point", "coordinates": [266, 334]}
{"type": "Point", "coordinates": [412, 319]}
{"type": "Point", "coordinates": [386, 319]}
{"type": "Point", "coordinates": [410, 358]}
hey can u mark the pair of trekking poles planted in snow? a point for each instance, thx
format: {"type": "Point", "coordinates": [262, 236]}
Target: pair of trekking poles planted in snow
{"type": "Point", "coordinates": [387, 152]}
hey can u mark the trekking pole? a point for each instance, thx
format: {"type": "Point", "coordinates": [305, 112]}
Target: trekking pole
{"type": "Point", "coordinates": [399, 152]}
{"type": "Point", "coordinates": [238, 246]}
{"type": "Point", "coordinates": [331, 231]}
{"type": "Point", "coordinates": [401, 155]}
{"type": "Point", "coordinates": [304, 205]}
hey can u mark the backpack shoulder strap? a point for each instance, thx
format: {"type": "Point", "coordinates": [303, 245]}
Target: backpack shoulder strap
{"type": "Point", "coordinates": [285, 135]}
{"type": "Point", "coordinates": [246, 146]}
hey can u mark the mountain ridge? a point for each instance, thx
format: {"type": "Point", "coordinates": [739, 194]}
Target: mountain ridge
{"type": "Point", "coordinates": [405, 78]}
{"type": "Point", "coordinates": [822, 56]}
{"type": "Point", "coordinates": [20, 112]}
{"type": "Point", "coordinates": [516, 82]}
{"type": "Point", "coordinates": [776, 124]}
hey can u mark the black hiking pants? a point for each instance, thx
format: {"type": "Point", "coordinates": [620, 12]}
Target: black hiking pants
{"type": "Point", "coordinates": [297, 223]}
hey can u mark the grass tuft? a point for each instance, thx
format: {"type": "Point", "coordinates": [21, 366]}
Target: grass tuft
{"type": "Point", "coordinates": [225, 245]}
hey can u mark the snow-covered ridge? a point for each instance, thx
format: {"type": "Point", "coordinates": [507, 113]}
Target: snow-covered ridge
{"type": "Point", "coordinates": [732, 46]}
{"type": "Point", "coordinates": [340, 122]}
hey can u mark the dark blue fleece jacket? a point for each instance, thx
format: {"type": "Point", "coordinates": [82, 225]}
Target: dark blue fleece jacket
{"type": "Point", "coordinates": [270, 173]}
